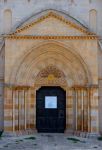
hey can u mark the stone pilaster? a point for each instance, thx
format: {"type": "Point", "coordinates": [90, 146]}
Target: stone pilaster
{"type": "Point", "coordinates": [94, 98]}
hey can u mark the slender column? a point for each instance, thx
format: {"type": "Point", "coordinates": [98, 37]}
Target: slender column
{"type": "Point", "coordinates": [13, 110]}
{"type": "Point", "coordinates": [32, 108]}
{"type": "Point", "coordinates": [76, 109]}
{"type": "Point", "coordinates": [79, 110]}
{"type": "Point", "coordinates": [18, 110]}
{"type": "Point", "coordinates": [25, 97]}
{"type": "Point", "coordinates": [28, 109]}
{"type": "Point", "coordinates": [21, 111]}
{"type": "Point", "coordinates": [82, 109]}
{"type": "Point", "coordinates": [29, 104]}
{"type": "Point", "coordinates": [67, 119]}
{"type": "Point", "coordinates": [35, 108]}
{"type": "Point", "coordinates": [89, 110]}
{"type": "Point", "coordinates": [69, 109]}
{"type": "Point", "coordinates": [85, 110]}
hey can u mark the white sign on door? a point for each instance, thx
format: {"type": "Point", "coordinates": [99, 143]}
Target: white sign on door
{"type": "Point", "coordinates": [51, 102]}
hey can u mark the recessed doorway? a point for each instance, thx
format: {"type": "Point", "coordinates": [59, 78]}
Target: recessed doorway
{"type": "Point", "coordinates": [51, 109]}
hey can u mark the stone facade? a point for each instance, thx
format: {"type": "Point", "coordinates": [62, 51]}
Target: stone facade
{"type": "Point", "coordinates": [55, 43]}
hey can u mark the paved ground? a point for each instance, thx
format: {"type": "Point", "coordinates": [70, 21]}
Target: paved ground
{"type": "Point", "coordinates": [49, 142]}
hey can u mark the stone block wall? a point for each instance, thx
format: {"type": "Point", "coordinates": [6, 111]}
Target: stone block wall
{"type": "Point", "coordinates": [77, 8]}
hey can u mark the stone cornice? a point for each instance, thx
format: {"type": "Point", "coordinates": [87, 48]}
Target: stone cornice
{"type": "Point", "coordinates": [85, 86]}
{"type": "Point", "coordinates": [25, 87]}
{"type": "Point", "coordinates": [89, 37]}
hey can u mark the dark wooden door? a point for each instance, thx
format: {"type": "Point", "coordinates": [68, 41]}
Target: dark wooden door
{"type": "Point", "coordinates": [51, 109]}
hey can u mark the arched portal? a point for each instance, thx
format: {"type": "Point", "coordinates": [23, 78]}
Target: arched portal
{"type": "Point", "coordinates": [51, 64]}
{"type": "Point", "coordinates": [38, 58]}
{"type": "Point", "coordinates": [51, 100]}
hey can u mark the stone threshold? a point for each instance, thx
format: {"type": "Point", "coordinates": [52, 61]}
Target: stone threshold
{"type": "Point", "coordinates": [82, 134]}
{"type": "Point", "coordinates": [69, 133]}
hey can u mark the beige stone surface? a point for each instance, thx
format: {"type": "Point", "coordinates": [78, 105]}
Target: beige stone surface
{"type": "Point", "coordinates": [51, 39]}
{"type": "Point", "coordinates": [20, 49]}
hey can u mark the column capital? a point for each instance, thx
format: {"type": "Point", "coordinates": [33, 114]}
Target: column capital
{"type": "Point", "coordinates": [90, 86]}
{"type": "Point", "coordinates": [17, 87]}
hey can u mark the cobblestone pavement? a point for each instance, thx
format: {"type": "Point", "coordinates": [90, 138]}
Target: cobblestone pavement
{"type": "Point", "coordinates": [49, 142]}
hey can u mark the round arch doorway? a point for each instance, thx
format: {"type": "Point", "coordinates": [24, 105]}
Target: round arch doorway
{"type": "Point", "coordinates": [51, 109]}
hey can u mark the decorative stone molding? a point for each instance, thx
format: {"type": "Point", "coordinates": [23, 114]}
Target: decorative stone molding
{"type": "Point", "coordinates": [34, 37]}
{"type": "Point", "coordinates": [51, 70]}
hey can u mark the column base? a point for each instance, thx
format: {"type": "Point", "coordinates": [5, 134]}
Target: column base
{"type": "Point", "coordinates": [20, 133]}
{"type": "Point", "coordinates": [82, 134]}
{"type": "Point", "coordinates": [94, 135]}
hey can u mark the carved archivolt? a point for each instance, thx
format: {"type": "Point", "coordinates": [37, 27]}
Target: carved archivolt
{"type": "Point", "coordinates": [43, 62]}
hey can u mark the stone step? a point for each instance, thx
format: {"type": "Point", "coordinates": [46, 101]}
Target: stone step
{"type": "Point", "coordinates": [82, 134]}
{"type": "Point", "coordinates": [20, 133]}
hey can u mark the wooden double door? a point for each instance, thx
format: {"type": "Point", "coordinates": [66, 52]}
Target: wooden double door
{"type": "Point", "coordinates": [51, 110]}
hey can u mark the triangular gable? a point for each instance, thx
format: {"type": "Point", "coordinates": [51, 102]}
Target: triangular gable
{"type": "Point", "coordinates": [52, 23]}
